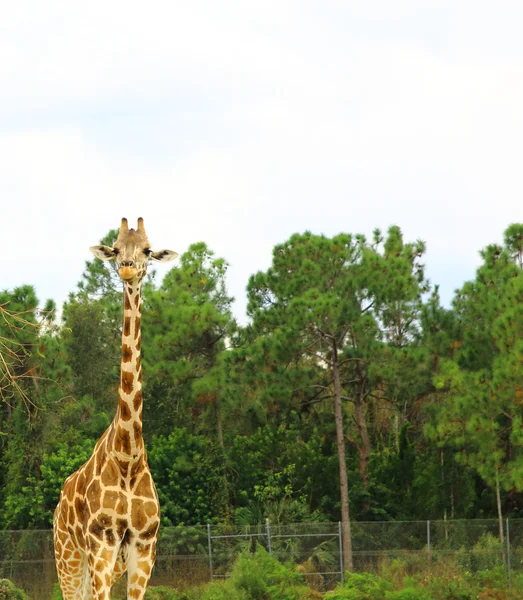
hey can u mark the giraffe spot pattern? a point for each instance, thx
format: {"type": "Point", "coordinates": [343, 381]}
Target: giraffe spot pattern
{"type": "Point", "coordinates": [127, 326]}
{"type": "Point", "coordinates": [123, 441]}
{"type": "Point", "coordinates": [127, 381]}
{"type": "Point", "coordinates": [125, 412]}
{"type": "Point", "coordinates": [137, 401]}
{"type": "Point", "coordinates": [127, 301]}
{"type": "Point", "coordinates": [127, 353]}
{"type": "Point", "coordinates": [111, 503]}
{"type": "Point", "coordinates": [110, 474]}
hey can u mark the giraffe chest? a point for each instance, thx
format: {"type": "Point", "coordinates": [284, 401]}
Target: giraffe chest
{"type": "Point", "coordinates": [122, 504]}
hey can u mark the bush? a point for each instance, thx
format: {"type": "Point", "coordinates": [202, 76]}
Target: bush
{"type": "Point", "coordinates": [222, 591]}
{"type": "Point", "coordinates": [361, 586]}
{"type": "Point", "coordinates": [162, 593]}
{"type": "Point", "coordinates": [8, 591]}
{"type": "Point", "coordinates": [262, 577]}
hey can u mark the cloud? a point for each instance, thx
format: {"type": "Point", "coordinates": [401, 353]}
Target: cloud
{"type": "Point", "coordinates": [240, 123]}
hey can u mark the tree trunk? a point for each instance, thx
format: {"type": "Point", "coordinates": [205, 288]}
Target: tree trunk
{"type": "Point", "coordinates": [219, 426]}
{"type": "Point", "coordinates": [498, 503]}
{"type": "Point", "coordinates": [344, 487]}
{"type": "Point", "coordinates": [364, 447]}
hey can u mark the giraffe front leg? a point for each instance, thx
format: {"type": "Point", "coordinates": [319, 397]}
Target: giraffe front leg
{"type": "Point", "coordinates": [140, 562]}
{"type": "Point", "coordinates": [101, 568]}
{"type": "Point", "coordinates": [119, 568]}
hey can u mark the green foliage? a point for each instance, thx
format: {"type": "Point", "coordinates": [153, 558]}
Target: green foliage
{"type": "Point", "coordinates": [222, 591]}
{"type": "Point", "coordinates": [188, 474]}
{"type": "Point", "coordinates": [57, 592]}
{"type": "Point", "coordinates": [8, 591]}
{"type": "Point", "coordinates": [261, 576]}
{"type": "Point", "coordinates": [239, 421]}
{"type": "Point", "coordinates": [361, 586]}
{"type": "Point", "coordinates": [163, 593]}
{"type": "Point", "coordinates": [33, 505]}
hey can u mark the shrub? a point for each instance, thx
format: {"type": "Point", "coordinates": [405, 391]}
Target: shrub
{"type": "Point", "coordinates": [222, 591]}
{"type": "Point", "coordinates": [262, 577]}
{"type": "Point", "coordinates": [163, 593]}
{"type": "Point", "coordinates": [361, 586]}
{"type": "Point", "coordinates": [9, 591]}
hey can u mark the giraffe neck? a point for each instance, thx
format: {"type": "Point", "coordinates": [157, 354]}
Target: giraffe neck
{"type": "Point", "coordinates": [128, 441]}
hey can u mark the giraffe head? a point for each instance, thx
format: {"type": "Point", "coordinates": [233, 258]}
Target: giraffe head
{"type": "Point", "coordinates": [132, 252]}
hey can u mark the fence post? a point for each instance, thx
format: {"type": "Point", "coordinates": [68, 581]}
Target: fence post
{"type": "Point", "coordinates": [508, 556]}
{"type": "Point", "coordinates": [269, 547]}
{"type": "Point", "coordinates": [341, 551]}
{"type": "Point", "coordinates": [210, 548]}
{"type": "Point", "coordinates": [428, 543]}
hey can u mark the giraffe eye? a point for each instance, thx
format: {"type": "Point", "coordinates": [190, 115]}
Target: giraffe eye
{"type": "Point", "coordinates": [147, 251]}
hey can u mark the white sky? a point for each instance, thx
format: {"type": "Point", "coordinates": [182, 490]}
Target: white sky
{"type": "Point", "coordinates": [240, 122]}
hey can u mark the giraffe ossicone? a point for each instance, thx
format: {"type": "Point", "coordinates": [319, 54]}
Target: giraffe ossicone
{"type": "Point", "coordinates": [107, 519]}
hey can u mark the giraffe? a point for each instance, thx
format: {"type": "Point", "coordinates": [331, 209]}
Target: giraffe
{"type": "Point", "coordinates": [108, 515]}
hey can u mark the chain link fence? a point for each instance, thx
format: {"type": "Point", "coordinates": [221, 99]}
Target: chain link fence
{"type": "Point", "coordinates": [195, 555]}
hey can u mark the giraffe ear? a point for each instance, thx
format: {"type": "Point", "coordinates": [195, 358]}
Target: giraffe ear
{"type": "Point", "coordinates": [163, 255]}
{"type": "Point", "coordinates": [103, 252]}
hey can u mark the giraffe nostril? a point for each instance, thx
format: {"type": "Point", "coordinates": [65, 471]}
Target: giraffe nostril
{"type": "Point", "coordinates": [127, 263]}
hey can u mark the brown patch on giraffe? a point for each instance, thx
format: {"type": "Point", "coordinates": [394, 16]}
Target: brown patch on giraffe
{"type": "Point", "coordinates": [61, 536]}
{"type": "Point", "coordinates": [137, 400]}
{"type": "Point", "coordinates": [138, 467]}
{"type": "Point", "coordinates": [137, 300]}
{"type": "Point", "coordinates": [105, 520]}
{"type": "Point", "coordinates": [127, 381]}
{"type": "Point", "coordinates": [122, 506]}
{"type": "Point", "coordinates": [135, 593]}
{"type": "Point", "coordinates": [121, 527]}
{"type": "Point", "coordinates": [94, 495]}
{"type": "Point", "coordinates": [71, 515]}
{"type": "Point", "coordinates": [137, 327]}
{"type": "Point", "coordinates": [123, 465]}
{"type": "Point", "coordinates": [144, 549]}
{"type": "Point", "coordinates": [109, 536]}
{"type": "Point", "coordinates": [139, 366]}
{"type": "Point", "coordinates": [100, 459]}
{"type": "Point", "coordinates": [151, 508]}
{"type": "Point", "coordinates": [139, 343]}
{"type": "Point", "coordinates": [127, 326]}
{"type": "Point", "coordinates": [110, 473]}
{"type": "Point", "coordinates": [127, 300]}
{"type": "Point", "coordinates": [123, 441]}
{"type": "Point", "coordinates": [125, 413]}
{"type": "Point", "coordinates": [127, 353]}
{"type": "Point", "coordinates": [110, 499]}
{"type": "Point", "coordinates": [69, 489]}
{"type": "Point", "coordinates": [144, 566]}
{"type": "Point", "coordinates": [92, 544]}
{"type": "Point", "coordinates": [137, 430]}
{"type": "Point", "coordinates": [96, 529]}
{"type": "Point", "coordinates": [72, 538]}
{"type": "Point", "coordinates": [80, 484]}
{"type": "Point", "coordinates": [145, 487]}
{"type": "Point", "coordinates": [138, 515]}
{"type": "Point", "coordinates": [89, 469]}
{"type": "Point", "coordinates": [79, 507]}
{"type": "Point", "coordinates": [80, 536]}
{"type": "Point", "coordinates": [150, 532]}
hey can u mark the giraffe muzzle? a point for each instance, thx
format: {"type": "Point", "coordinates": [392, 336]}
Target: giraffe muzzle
{"type": "Point", "coordinates": [127, 273]}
